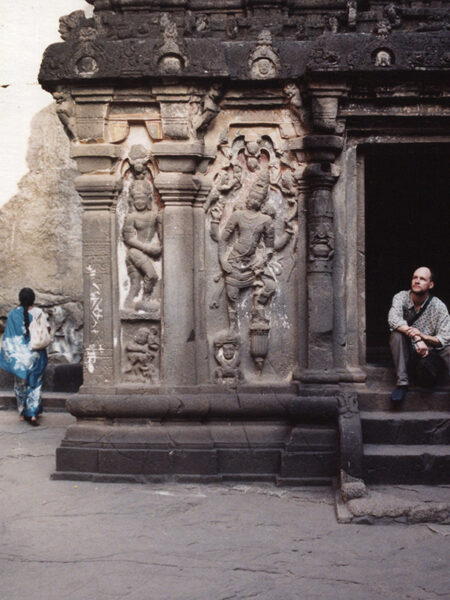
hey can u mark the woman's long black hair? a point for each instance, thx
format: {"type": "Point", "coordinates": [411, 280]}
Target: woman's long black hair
{"type": "Point", "coordinates": [26, 299]}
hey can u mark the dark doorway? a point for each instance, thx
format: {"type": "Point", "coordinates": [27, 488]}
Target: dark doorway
{"type": "Point", "coordinates": [407, 192]}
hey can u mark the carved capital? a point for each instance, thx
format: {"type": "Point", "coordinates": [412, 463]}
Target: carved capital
{"type": "Point", "coordinates": [180, 157]}
{"type": "Point", "coordinates": [325, 106]}
{"type": "Point", "coordinates": [177, 189]}
{"type": "Point", "coordinates": [95, 157]}
{"type": "Point", "coordinates": [98, 192]}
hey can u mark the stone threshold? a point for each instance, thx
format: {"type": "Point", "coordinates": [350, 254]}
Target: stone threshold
{"type": "Point", "coordinates": [397, 504]}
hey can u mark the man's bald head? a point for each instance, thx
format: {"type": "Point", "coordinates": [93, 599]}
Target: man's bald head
{"type": "Point", "coordinates": [422, 281]}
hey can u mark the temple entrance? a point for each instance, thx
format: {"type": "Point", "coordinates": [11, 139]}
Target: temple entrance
{"type": "Point", "coordinates": [407, 208]}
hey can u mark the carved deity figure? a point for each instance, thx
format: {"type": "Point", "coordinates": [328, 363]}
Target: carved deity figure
{"type": "Point", "coordinates": [226, 353]}
{"type": "Point", "coordinates": [141, 354]}
{"type": "Point", "coordinates": [245, 262]}
{"type": "Point", "coordinates": [142, 236]}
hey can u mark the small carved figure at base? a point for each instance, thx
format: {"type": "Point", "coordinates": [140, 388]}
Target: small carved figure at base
{"type": "Point", "coordinates": [226, 353]}
{"type": "Point", "coordinates": [141, 353]}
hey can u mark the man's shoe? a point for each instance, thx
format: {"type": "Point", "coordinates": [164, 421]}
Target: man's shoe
{"type": "Point", "coordinates": [399, 394]}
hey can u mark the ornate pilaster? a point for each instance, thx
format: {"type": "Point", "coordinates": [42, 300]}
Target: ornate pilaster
{"type": "Point", "coordinates": [321, 149]}
{"type": "Point", "coordinates": [99, 195]}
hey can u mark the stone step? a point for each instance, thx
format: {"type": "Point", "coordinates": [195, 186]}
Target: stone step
{"type": "Point", "coordinates": [52, 401]}
{"type": "Point", "coordinates": [413, 427]}
{"type": "Point", "coordinates": [426, 464]}
{"type": "Point", "coordinates": [417, 399]}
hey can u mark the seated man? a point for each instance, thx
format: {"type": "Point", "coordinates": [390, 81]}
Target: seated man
{"type": "Point", "coordinates": [418, 322]}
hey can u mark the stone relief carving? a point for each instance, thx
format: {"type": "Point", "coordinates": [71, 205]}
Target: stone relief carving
{"type": "Point", "coordinates": [138, 162]}
{"type": "Point", "coordinates": [209, 110]}
{"type": "Point", "coordinates": [171, 56]}
{"type": "Point", "coordinates": [141, 235]}
{"type": "Point", "coordinates": [65, 109]}
{"type": "Point", "coordinates": [67, 328]}
{"type": "Point", "coordinates": [88, 52]}
{"type": "Point", "coordinates": [252, 208]}
{"type": "Point", "coordinates": [263, 62]}
{"type": "Point", "coordinates": [292, 92]}
{"type": "Point", "coordinates": [383, 58]}
{"type": "Point", "coordinates": [142, 354]}
{"type": "Point", "coordinates": [69, 24]}
{"type": "Point", "coordinates": [226, 353]}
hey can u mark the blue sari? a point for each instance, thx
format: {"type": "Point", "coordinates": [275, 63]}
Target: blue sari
{"type": "Point", "coordinates": [27, 365]}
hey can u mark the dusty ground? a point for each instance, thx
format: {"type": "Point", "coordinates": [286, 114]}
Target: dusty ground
{"type": "Point", "coordinates": [86, 541]}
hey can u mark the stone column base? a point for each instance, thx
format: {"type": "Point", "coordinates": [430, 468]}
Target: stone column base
{"type": "Point", "coordinates": [284, 438]}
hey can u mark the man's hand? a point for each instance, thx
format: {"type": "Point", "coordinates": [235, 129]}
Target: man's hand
{"type": "Point", "coordinates": [413, 332]}
{"type": "Point", "coordinates": [422, 349]}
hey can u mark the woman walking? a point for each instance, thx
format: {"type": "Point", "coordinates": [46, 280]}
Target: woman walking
{"type": "Point", "coordinates": [17, 357]}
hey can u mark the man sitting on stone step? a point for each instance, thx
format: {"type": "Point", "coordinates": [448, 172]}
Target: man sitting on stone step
{"type": "Point", "coordinates": [420, 328]}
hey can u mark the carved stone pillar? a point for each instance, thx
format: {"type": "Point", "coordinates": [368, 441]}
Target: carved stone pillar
{"type": "Point", "coordinates": [99, 196]}
{"type": "Point", "coordinates": [321, 149]}
{"type": "Point", "coordinates": [320, 361]}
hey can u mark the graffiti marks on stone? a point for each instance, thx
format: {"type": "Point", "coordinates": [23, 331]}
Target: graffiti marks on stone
{"type": "Point", "coordinates": [96, 300]}
{"type": "Point", "coordinates": [92, 355]}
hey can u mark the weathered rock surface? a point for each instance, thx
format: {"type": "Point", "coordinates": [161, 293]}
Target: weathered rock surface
{"type": "Point", "coordinates": [40, 236]}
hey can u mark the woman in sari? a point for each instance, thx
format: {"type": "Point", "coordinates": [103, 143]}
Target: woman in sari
{"type": "Point", "coordinates": [16, 357]}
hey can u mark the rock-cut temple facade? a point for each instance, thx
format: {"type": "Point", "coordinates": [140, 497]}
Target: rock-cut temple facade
{"type": "Point", "coordinates": [224, 150]}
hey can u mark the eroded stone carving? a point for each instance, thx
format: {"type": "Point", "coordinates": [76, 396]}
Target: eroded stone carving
{"type": "Point", "coordinates": [383, 58]}
{"type": "Point", "coordinates": [141, 234]}
{"type": "Point", "coordinates": [226, 353]}
{"type": "Point", "coordinates": [171, 57]}
{"type": "Point", "coordinates": [251, 219]}
{"type": "Point", "coordinates": [67, 329]}
{"type": "Point", "coordinates": [87, 52]}
{"type": "Point", "coordinates": [65, 109]}
{"type": "Point", "coordinates": [209, 110]}
{"type": "Point", "coordinates": [69, 24]}
{"type": "Point", "coordinates": [138, 160]}
{"type": "Point", "coordinates": [142, 352]}
{"type": "Point", "coordinates": [263, 61]}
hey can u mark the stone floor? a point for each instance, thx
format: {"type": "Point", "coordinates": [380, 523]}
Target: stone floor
{"type": "Point", "coordinates": [85, 541]}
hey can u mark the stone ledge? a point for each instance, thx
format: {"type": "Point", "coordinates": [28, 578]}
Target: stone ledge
{"type": "Point", "coordinates": [396, 504]}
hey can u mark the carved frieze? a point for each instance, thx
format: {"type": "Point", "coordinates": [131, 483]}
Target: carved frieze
{"type": "Point", "coordinates": [128, 43]}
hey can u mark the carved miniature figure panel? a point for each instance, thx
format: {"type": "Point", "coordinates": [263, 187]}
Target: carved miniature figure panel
{"type": "Point", "coordinates": [251, 237]}
{"type": "Point", "coordinates": [141, 352]}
